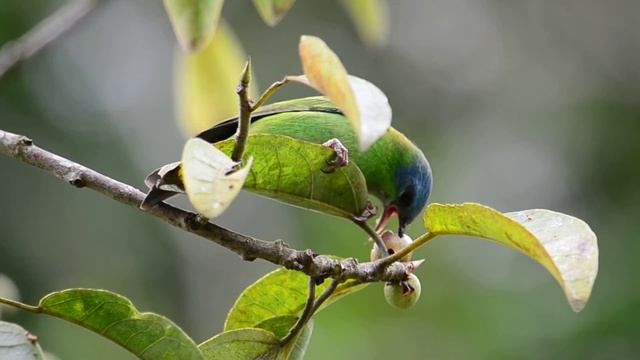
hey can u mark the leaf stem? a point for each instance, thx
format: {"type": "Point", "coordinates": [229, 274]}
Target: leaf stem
{"type": "Point", "coordinates": [306, 313]}
{"type": "Point", "coordinates": [409, 248]}
{"type": "Point", "coordinates": [19, 305]}
{"type": "Point", "coordinates": [271, 90]}
{"type": "Point", "coordinates": [245, 113]}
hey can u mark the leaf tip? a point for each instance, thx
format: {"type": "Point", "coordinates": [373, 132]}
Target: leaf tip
{"type": "Point", "coordinates": [246, 72]}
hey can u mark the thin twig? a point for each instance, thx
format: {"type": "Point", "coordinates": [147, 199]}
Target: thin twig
{"type": "Point", "coordinates": [270, 91]}
{"type": "Point", "coordinates": [310, 307]}
{"type": "Point", "coordinates": [325, 295]}
{"type": "Point", "coordinates": [249, 248]}
{"type": "Point", "coordinates": [306, 313]}
{"type": "Point", "coordinates": [382, 248]}
{"type": "Point", "coordinates": [52, 27]}
{"type": "Point", "coordinates": [245, 113]}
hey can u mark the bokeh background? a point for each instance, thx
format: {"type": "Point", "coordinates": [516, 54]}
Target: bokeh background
{"type": "Point", "coordinates": [517, 104]}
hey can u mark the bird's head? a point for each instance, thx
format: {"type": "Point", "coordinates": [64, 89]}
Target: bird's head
{"type": "Point", "coordinates": [413, 187]}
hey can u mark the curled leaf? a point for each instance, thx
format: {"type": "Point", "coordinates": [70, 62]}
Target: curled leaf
{"type": "Point", "coordinates": [205, 82]}
{"type": "Point", "coordinates": [194, 21]}
{"type": "Point", "coordinates": [210, 178]}
{"type": "Point", "coordinates": [563, 244]}
{"type": "Point", "coordinates": [572, 246]}
{"type": "Point", "coordinates": [371, 19]}
{"type": "Point", "coordinates": [362, 103]}
{"type": "Point", "coordinates": [272, 11]}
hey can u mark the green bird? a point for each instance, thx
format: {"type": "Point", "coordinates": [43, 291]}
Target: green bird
{"type": "Point", "coordinates": [396, 171]}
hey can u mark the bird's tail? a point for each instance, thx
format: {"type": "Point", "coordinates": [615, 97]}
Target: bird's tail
{"type": "Point", "coordinates": [163, 183]}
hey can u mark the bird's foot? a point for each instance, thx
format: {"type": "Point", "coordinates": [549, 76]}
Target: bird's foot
{"type": "Point", "coordinates": [406, 288]}
{"type": "Point", "coordinates": [342, 155]}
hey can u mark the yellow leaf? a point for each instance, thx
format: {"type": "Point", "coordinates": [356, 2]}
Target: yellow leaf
{"type": "Point", "coordinates": [206, 81]}
{"type": "Point", "coordinates": [209, 176]}
{"type": "Point", "coordinates": [563, 244]}
{"type": "Point", "coordinates": [371, 19]}
{"type": "Point", "coordinates": [366, 106]}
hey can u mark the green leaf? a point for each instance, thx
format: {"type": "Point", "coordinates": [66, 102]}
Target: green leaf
{"type": "Point", "coordinates": [205, 83]}
{"type": "Point", "coordinates": [272, 11]}
{"type": "Point", "coordinates": [366, 106]}
{"type": "Point", "coordinates": [17, 343]}
{"type": "Point", "coordinates": [563, 244]}
{"type": "Point", "coordinates": [242, 344]}
{"type": "Point", "coordinates": [194, 21]}
{"type": "Point", "coordinates": [371, 19]}
{"type": "Point", "coordinates": [147, 335]}
{"type": "Point", "coordinates": [280, 292]}
{"type": "Point", "coordinates": [290, 170]}
{"type": "Point", "coordinates": [280, 326]}
{"type": "Point", "coordinates": [259, 343]}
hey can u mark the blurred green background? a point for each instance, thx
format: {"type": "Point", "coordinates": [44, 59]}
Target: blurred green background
{"type": "Point", "coordinates": [517, 104]}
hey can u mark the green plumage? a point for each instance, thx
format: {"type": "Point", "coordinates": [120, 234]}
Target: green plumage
{"type": "Point", "coordinates": [394, 169]}
{"type": "Point", "coordinates": [378, 163]}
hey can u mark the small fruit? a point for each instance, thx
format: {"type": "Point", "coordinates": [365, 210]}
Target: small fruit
{"type": "Point", "coordinates": [394, 243]}
{"type": "Point", "coordinates": [405, 294]}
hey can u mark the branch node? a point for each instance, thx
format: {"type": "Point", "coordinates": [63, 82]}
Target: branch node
{"type": "Point", "coordinates": [195, 221]}
{"type": "Point", "coordinates": [25, 141]}
{"type": "Point", "coordinates": [74, 177]}
{"type": "Point", "coordinates": [247, 257]}
{"type": "Point", "coordinates": [77, 182]}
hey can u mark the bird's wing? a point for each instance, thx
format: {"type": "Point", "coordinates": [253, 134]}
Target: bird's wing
{"type": "Point", "coordinates": [225, 129]}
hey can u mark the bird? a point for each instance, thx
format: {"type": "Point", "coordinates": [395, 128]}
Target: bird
{"type": "Point", "coordinates": [395, 169]}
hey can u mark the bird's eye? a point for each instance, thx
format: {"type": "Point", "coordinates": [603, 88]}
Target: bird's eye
{"type": "Point", "coordinates": [406, 197]}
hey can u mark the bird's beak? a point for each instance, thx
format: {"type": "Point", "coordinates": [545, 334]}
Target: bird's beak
{"type": "Point", "coordinates": [389, 211]}
{"type": "Point", "coordinates": [402, 224]}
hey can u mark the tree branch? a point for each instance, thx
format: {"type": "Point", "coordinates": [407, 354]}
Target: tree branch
{"type": "Point", "coordinates": [56, 24]}
{"type": "Point", "coordinates": [249, 248]}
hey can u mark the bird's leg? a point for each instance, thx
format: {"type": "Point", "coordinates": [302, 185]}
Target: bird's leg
{"type": "Point", "coordinates": [342, 155]}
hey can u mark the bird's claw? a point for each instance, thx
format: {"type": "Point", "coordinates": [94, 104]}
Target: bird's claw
{"type": "Point", "coordinates": [406, 288]}
{"type": "Point", "coordinates": [342, 155]}
{"type": "Point", "coordinates": [369, 211]}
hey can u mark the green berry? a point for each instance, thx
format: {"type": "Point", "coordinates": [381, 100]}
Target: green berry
{"type": "Point", "coordinates": [405, 294]}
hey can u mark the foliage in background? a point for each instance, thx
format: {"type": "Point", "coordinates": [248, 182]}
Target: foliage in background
{"type": "Point", "coordinates": [599, 190]}
{"type": "Point", "coordinates": [278, 303]}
